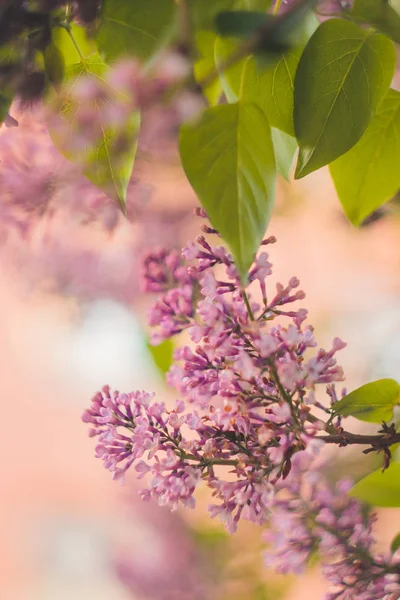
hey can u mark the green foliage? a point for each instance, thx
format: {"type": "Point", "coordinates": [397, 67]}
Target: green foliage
{"type": "Point", "coordinates": [54, 64]}
{"type": "Point", "coordinates": [105, 163]}
{"type": "Point", "coordinates": [240, 23]}
{"type": "Point", "coordinates": [285, 32]}
{"type": "Point", "coordinates": [135, 28]}
{"type": "Point", "coordinates": [379, 13]}
{"type": "Point", "coordinates": [203, 12]}
{"type": "Point", "coordinates": [395, 545]}
{"type": "Point", "coordinates": [368, 175]}
{"type": "Point", "coordinates": [205, 42]}
{"type": "Point", "coordinates": [324, 89]}
{"type": "Point", "coordinates": [373, 402]}
{"type": "Point", "coordinates": [343, 75]}
{"type": "Point", "coordinates": [230, 78]}
{"type": "Point", "coordinates": [63, 40]}
{"type": "Point", "coordinates": [272, 88]}
{"type": "Point", "coordinates": [380, 489]}
{"type": "Point", "coordinates": [162, 355]}
{"type": "Point", "coordinates": [5, 103]}
{"type": "Point", "coordinates": [229, 159]}
{"type": "Point", "coordinates": [285, 147]}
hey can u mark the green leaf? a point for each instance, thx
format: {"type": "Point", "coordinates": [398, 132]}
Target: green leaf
{"type": "Point", "coordinates": [205, 41]}
{"type": "Point", "coordinates": [395, 545]}
{"type": "Point", "coordinates": [343, 75]}
{"type": "Point", "coordinates": [63, 41]}
{"type": "Point", "coordinates": [5, 103]}
{"type": "Point", "coordinates": [286, 31]}
{"type": "Point", "coordinates": [257, 5]}
{"type": "Point", "coordinates": [379, 13]}
{"type": "Point", "coordinates": [380, 489]}
{"type": "Point", "coordinates": [368, 175]}
{"type": "Point", "coordinates": [229, 159]}
{"type": "Point", "coordinates": [230, 78]}
{"type": "Point", "coordinates": [272, 87]}
{"type": "Point", "coordinates": [372, 402]}
{"type": "Point", "coordinates": [240, 23]}
{"type": "Point", "coordinates": [54, 64]}
{"type": "Point", "coordinates": [135, 28]}
{"type": "Point", "coordinates": [285, 147]}
{"type": "Point", "coordinates": [105, 163]}
{"type": "Point", "coordinates": [203, 12]}
{"type": "Point", "coordinates": [162, 355]}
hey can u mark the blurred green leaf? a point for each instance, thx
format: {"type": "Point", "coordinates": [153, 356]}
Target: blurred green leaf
{"type": "Point", "coordinates": [54, 64]}
{"type": "Point", "coordinates": [228, 158]}
{"type": "Point", "coordinates": [285, 147]}
{"type": "Point", "coordinates": [205, 41]}
{"type": "Point", "coordinates": [287, 32]}
{"type": "Point", "coordinates": [230, 78]}
{"type": "Point", "coordinates": [240, 23]}
{"type": "Point", "coordinates": [372, 402]}
{"type": "Point", "coordinates": [135, 28]}
{"type": "Point", "coordinates": [162, 355]}
{"type": "Point", "coordinates": [343, 75]}
{"type": "Point", "coordinates": [271, 87]}
{"type": "Point", "coordinates": [204, 12]}
{"type": "Point", "coordinates": [62, 40]}
{"type": "Point", "coordinates": [107, 163]}
{"type": "Point", "coordinates": [380, 489]}
{"type": "Point", "coordinates": [368, 175]}
{"type": "Point", "coordinates": [5, 103]}
{"type": "Point", "coordinates": [379, 13]}
{"type": "Point", "coordinates": [395, 545]}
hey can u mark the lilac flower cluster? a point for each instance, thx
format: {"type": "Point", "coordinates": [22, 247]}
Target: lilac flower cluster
{"type": "Point", "coordinates": [251, 379]}
{"type": "Point", "coordinates": [308, 516]}
{"type": "Point", "coordinates": [251, 371]}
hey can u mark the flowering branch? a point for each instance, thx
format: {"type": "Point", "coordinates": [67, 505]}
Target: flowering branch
{"type": "Point", "coordinates": [253, 381]}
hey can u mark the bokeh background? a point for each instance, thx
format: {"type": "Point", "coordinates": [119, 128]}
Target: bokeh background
{"type": "Point", "coordinates": [73, 319]}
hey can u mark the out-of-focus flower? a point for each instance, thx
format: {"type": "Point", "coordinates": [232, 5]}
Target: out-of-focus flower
{"type": "Point", "coordinates": [164, 562]}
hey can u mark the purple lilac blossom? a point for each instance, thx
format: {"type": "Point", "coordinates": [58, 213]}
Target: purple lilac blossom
{"type": "Point", "coordinates": [250, 373]}
{"type": "Point", "coordinates": [249, 377]}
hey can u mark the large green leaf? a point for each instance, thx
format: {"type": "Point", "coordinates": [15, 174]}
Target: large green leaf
{"type": "Point", "coordinates": [373, 402]}
{"type": "Point", "coordinates": [343, 75]}
{"type": "Point", "coordinates": [205, 42]}
{"type": "Point", "coordinates": [229, 160]}
{"type": "Point", "coordinates": [104, 162]}
{"type": "Point", "coordinates": [272, 89]}
{"type": "Point", "coordinates": [379, 13]}
{"type": "Point", "coordinates": [134, 27]}
{"type": "Point", "coordinates": [368, 175]}
{"type": "Point", "coordinates": [381, 489]}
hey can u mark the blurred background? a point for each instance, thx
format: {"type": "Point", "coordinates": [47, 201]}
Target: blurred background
{"type": "Point", "coordinates": [73, 319]}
